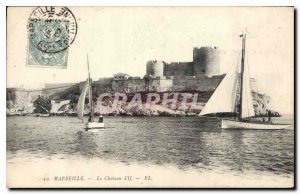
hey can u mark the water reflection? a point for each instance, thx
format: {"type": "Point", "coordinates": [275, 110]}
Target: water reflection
{"type": "Point", "coordinates": [85, 143]}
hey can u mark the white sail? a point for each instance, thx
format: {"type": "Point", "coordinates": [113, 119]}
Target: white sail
{"type": "Point", "coordinates": [223, 99]}
{"type": "Point", "coordinates": [80, 104]}
{"type": "Point", "coordinates": [247, 100]}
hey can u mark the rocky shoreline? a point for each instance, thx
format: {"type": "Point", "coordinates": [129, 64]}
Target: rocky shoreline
{"type": "Point", "coordinates": [67, 106]}
{"type": "Point", "coordinates": [154, 110]}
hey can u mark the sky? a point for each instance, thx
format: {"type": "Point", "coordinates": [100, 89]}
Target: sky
{"type": "Point", "coordinates": [123, 39]}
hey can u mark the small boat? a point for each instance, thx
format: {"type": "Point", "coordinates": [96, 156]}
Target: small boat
{"type": "Point", "coordinates": [92, 124]}
{"type": "Point", "coordinates": [230, 124]}
{"type": "Point", "coordinates": [234, 97]}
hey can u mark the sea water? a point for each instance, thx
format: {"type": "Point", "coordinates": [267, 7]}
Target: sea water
{"type": "Point", "coordinates": [187, 144]}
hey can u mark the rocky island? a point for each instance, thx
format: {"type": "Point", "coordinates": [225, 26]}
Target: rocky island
{"type": "Point", "coordinates": [180, 88]}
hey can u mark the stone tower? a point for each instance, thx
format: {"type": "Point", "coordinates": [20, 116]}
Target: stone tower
{"type": "Point", "coordinates": [155, 68]}
{"type": "Point", "coordinates": [206, 61]}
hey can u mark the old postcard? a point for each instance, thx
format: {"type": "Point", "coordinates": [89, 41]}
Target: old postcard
{"type": "Point", "coordinates": [150, 97]}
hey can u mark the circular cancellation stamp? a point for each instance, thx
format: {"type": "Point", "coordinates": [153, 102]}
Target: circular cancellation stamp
{"type": "Point", "coordinates": [52, 29]}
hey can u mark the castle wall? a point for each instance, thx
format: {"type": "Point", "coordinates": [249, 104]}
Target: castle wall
{"type": "Point", "coordinates": [179, 69]}
{"type": "Point", "coordinates": [160, 85]}
{"type": "Point", "coordinates": [140, 85]}
{"type": "Point", "coordinates": [196, 84]}
{"type": "Point", "coordinates": [136, 85]}
{"type": "Point", "coordinates": [129, 86]}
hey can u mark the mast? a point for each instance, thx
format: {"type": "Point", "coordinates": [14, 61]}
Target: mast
{"type": "Point", "coordinates": [242, 73]}
{"type": "Point", "coordinates": [90, 92]}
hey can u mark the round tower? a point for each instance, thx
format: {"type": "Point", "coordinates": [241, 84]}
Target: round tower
{"type": "Point", "coordinates": [206, 61]}
{"type": "Point", "coordinates": [155, 68]}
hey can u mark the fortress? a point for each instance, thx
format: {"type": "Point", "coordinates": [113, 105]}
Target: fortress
{"type": "Point", "coordinates": [202, 74]}
{"type": "Point", "coordinates": [206, 62]}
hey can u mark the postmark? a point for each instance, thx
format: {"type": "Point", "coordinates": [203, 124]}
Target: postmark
{"type": "Point", "coordinates": [51, 32]}
{"type": "Point", "coordinates": [52, 29]}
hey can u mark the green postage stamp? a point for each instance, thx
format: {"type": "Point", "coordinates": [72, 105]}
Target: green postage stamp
{"type": "Point", "coordinates": [51, 30]}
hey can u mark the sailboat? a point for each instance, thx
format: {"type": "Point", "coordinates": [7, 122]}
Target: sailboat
{"type": "Point", "coordinates": [92, 124]}
{"type": "Point", "coordinates": [233, 97]}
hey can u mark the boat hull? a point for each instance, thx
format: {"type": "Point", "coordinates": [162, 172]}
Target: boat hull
{"type": "Point", "coordinates": [43, 115]}
{"type": "Point", "coordinates": [229, 124]}
{"type": "Point", "coordinates": [94, 126]}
